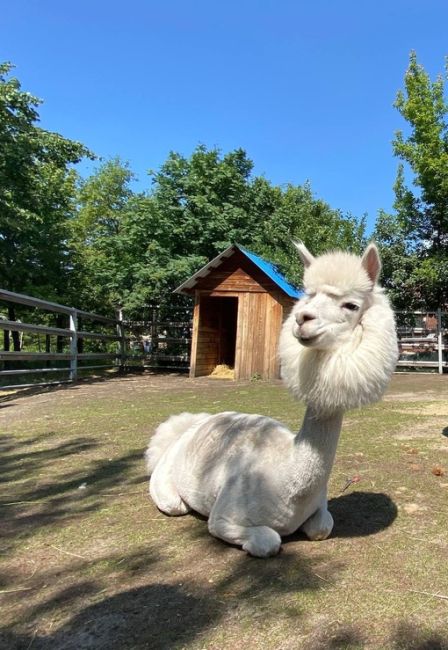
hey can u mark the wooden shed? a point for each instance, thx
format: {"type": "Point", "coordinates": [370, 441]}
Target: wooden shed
{"type": "Point", "coordinates": [240, 303]}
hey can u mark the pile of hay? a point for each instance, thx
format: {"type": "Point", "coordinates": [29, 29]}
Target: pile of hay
{"type": "Point", "coordinates": [223, 371]}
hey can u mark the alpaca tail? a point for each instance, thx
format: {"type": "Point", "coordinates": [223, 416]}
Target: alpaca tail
{"type": "Point", "coordinates": [166, 435]}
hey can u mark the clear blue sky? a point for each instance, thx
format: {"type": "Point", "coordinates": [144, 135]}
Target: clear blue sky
{"type": "Point", "coordinates": [305, 87]}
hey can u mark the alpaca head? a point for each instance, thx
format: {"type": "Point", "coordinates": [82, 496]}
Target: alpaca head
{"type": "Point", "coordinates": [338, 347]}
{"type": "Point", "coordinates": [338, 288]}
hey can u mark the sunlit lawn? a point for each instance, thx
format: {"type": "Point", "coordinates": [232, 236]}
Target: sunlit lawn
{"type": "Point", "coordinates": [87, 561]}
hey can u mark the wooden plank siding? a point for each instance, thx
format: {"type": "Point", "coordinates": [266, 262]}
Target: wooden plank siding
{"type": "Point", "coordinates": [262, 307]}
{"type": "Point", "coordinates": [194, 337]}
{"type": "Point", "coordinates": [259, 323]}
{"type": "Point", "coordinates": [236, 274]}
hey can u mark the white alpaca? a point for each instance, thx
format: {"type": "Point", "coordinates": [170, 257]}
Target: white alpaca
{"type": "Point", "coordinates": [251, 476]}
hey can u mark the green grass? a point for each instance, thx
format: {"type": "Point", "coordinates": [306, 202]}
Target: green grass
{"type": "Point", "coordinates": [87, 561]}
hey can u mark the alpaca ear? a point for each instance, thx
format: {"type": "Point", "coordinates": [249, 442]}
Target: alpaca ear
{"type": "Point", "coordinates": [371, 262]}
{"type": "Point", "coordinates": [304, 253]}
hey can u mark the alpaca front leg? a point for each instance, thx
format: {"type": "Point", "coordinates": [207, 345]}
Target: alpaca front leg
{"type": "Point", "coordinates": [164, 493]}
{"type": "Point", "coordinates": [260, 541]}
{"type": "Point", "coordinates": [319, 525]}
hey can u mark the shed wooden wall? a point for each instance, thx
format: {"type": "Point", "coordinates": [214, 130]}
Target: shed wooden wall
{"type": "Point", "coordinates": [262, 307]}
{"type": "Point", "coordinates": [259, 320]}
{"type": "Point", "coordinates": [236, 274]}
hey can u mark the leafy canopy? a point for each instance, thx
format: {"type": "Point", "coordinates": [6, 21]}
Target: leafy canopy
{"type": "Point", "coordinates": [37, 195]}
{"type": "Point", "coordinates": [135, 248]}
{"type": "Point", "coordinates": [415, 240]}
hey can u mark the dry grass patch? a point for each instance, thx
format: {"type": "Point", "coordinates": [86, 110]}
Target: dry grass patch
{"type": "Point", "coordinates": [87, 561]}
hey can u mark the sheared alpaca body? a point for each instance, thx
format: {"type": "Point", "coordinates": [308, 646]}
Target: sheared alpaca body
{"type": "Point", "coordinates": [244, 472]}
{"type": "Point", "coordinates": [253, 478]}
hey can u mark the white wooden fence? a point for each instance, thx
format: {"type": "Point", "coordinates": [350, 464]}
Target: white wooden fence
{"type": "Point", "coordinates": [71, 332]}
{"type": "Point", "coordinates": [423, 338]}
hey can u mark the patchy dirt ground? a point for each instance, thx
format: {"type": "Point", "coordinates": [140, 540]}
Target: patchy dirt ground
{"type": "Point", "coordinates": [87, 561]}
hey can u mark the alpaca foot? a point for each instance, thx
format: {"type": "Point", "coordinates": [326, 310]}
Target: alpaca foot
{"type": "Point", "coordinates": [263, 542]}
{"type": "Point", "coordinates": [166, 497]}
{"type": "Point", "coordinates": [259, 541]}
{"type": "Point", "coordinates": [168, 501]}
{"type": "Point", "coordinates": [319, 525]}
{"type": "Point", "coordinates": [174, 509]}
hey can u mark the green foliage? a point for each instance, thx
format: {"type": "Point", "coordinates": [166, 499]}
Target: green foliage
{"type": "Point", "coordinates": [298, 215]}
{"type": "Point", "coordinates": [99, 245]}
{"type": "Point", "coordinates": [37, 190]}
{"type": "Point", "coordinates": [101, 258]}
{"type": "Point", "coordinates": [134, 249]}
{"type": "Point", "coordinates": [417, 264]}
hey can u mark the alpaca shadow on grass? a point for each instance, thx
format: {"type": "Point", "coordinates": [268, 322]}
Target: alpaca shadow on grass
{"type": "Point", "coordinates": [156, 616]}
{"type": "Point", "coordinates": [35, 497]}
{"type": "Point", "coordinates": [445, 432]}
{"type": "Point", "coordinates": [357, 514]}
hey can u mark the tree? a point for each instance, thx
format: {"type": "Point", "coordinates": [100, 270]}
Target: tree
{"type": "Point", "coordinates": [134, 249]}
{"type": "Point", "coordinates": [37, 192]}
{"type": "Point", "coordinates": [421, 219]}
{"type": "Point", "coordinates": [398, 263]}
{"type": "Point", "coordinates": [211, 201]}
{"type": "Point", "coordinates": [198, 206]}
{"type": "Point", "coordinates": [206, 200]}
{"type": "Point", "coordinates": [298, 215]}
{"type": "Point", "coordinates": [103, 256]}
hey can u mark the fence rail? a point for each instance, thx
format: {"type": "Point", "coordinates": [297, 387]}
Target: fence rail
{"type": "Point", "coordinates": [70, 336]}
{"type": "Point", "coordinates": [164, 344]}
{"type": "Point", "coordinates": [423, 339]}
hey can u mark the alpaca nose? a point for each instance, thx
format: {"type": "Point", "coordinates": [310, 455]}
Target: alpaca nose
{"type": "Point", "coordinates": [304, 316]}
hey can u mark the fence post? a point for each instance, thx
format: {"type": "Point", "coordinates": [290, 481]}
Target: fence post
{"type": "Point", "coordinates": [440, 341]}
{"type": "Point", "coordinates": [73, 316]}
{"type": "Point", "coordinates": [122, 341]}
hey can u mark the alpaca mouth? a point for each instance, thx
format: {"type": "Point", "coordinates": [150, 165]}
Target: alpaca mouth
{"type": "Point", "coordinates": [308, 340]}
{"type": "Point", "coordinates": [306, 336]}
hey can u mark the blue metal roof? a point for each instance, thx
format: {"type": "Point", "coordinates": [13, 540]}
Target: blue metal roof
{"type": "Point", "coordinates": [273, 273]}
{"type": "Point", "coordinates": [268, 269]}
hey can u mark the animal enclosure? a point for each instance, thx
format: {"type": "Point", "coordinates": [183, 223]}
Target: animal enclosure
{"type": "Point", "coordinates": [101, 567]}
{"type": "Point", "coordinates": [240, 303]}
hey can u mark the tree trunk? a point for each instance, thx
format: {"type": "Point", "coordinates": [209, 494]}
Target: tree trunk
{"type": "Point", "coordinates": [80, 342]}
{"type": "Point", "coordinates": [15, 335]}
{"type": "Point", "coordinates": [6, 341]}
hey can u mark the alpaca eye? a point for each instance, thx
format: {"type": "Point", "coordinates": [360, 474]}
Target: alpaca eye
{"type": "Point", "coordinates": [350, 306]}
